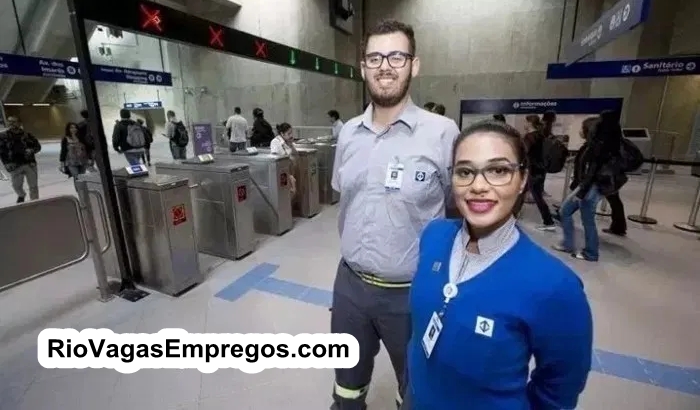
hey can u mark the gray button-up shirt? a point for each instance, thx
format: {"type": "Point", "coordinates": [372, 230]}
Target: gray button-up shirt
{"type": "Point", "coordinates": [380, 227]}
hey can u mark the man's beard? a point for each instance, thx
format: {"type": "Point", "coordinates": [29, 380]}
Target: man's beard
{"type": "Point", "coordinates": [392, 99]}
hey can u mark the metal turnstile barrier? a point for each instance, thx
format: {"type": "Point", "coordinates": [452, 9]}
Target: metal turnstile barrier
{"type": "Point", "coordinates": [44, 236]}
{"type": "Point", "coordinates": [223, 216]}
{"type": "Point", "coordinates": [164, 234]}
{"type": "Point", "coordinates": [270, 196]}
{"type": "Point", "coordinates": [307, 201]}
{"type": "Point", "coordinates": [326, 158]}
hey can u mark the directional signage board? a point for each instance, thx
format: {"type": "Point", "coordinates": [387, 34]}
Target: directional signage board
{"type": "Point", "coordinates": [658, 67]}
{"type": "Point", "coordinates": [14, 64]}
{"type": "Point", "coordinates": [156, 20]}
{"type": "Point", "coordinates": [148, 105]}
{"type": "Point", "coordinates": [621, 18]}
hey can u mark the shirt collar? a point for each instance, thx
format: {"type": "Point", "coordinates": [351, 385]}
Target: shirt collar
{"type": "Point", "coordinates": [494, 241]}
{"type": "Point", "coordinates": [408, 116]}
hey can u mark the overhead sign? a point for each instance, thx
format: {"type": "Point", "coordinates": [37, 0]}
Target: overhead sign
{"type": "Point", "coordinates": [539, 106]}
{"type": "Point", "coordinates": [156, 20]}
{"type": "Point", "coordinates": [143, 105]}
{"type": "Point", "coordinates": [621, 18]}
{"type": "Point", "coordinates": [14, 64]}
{"type": "Point", "coordinates": [660, 67]}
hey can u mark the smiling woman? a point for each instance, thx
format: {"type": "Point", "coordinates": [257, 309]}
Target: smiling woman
{"type": "Point", "coordinates": [486, 298]}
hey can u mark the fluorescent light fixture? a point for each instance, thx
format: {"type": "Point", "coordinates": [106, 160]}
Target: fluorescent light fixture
{"type": "Point", "coordinates": [13, 104]}
{"type": "Point", "coordinates": [41, 105]}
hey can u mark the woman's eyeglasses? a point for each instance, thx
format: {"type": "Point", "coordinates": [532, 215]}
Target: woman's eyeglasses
{"type": "Point", "coordinates": [494, 174]}
{"type": "Point", "coordinates": [396, 59]}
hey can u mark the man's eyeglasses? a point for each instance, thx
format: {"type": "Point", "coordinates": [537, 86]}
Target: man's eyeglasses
{"type": "Point", "coordinates": [494, 174]}
{"type": "Point", "coordinates": [396, 59]}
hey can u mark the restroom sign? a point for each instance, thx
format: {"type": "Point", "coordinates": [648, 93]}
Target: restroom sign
{"type": "Point", "coordinates": [242, 193]}
{"type": "Point", "coordinates": [179, 214]}
{"type": "Point", "coordinates": [283, 179]}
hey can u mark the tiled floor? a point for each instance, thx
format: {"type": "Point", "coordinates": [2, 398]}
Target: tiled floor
{"type": "Point", "coordinates": [643, 293]}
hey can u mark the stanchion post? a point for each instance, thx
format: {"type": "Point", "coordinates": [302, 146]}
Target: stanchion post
{"type": "Point", "coordinates": [691, 225]}
{"type": "Point", "coordinates": [93, 243]}
{"type": "Point", "coordinates": [642, 218]}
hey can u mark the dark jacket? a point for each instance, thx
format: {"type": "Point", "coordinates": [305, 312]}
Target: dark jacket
{"type": "Point", "coordinates": [596, 160]}
{"type": "Point", "coordinates": [535, 153]}
{"type": "Point", "coordinates": [18, 148]}
{"type": "Point", "coordinates": [89, 148]}
{"type": "Point", "coordinates": [149, 137]}
{"type": "Point", "coordinates": [262, 133]}
{"type": "Point", "coordinates": [119, 135]}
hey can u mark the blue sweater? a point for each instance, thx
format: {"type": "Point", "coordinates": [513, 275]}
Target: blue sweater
{"type": "Point", "coordinates": [538, 308]}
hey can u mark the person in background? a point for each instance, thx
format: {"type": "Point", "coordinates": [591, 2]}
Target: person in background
{"type": "Point", "coordinates": [439, 109]}
{"type": "Point", "coordinates": [18, 149]}
{"type": "Point", "coordinates": [146, 158]}
{"type": "Point", "coordinates": [534, 143]}
{"type": "Point", "coordinates": [76, 152]}
{"type": "Point", "coordinates": [337, 123]}
{"type": "Point", "coordinates": [386, 199]}
{"type": "Point", "coordinates": [609, 130]}
{"type": "Point", "coordinates": [262, 130]}
{"type": "Point", "coordinates": [429, 106]}
{"type": "Point", "coordinates": [283, 144]}
{"type": "Point", "coordinates": [499, 117]}
{"type": "Point", "coordinates": [237, 131]}
{"type": "Point", "coordinates": [128, 138]}
{"type": "Point", "coordinates": [85, 134]}
{"type": "Point", "coordinates": [176, 133]}
{"type": "Point", "coordinates": [549, 118]}
{"type": "Point", "coordinates": [584, 196]}
{"type": "Point", "coordinates": [486, 299]}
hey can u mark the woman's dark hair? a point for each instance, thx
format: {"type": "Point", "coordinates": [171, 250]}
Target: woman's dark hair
{"type": "Point", "coordinates": [588, 126]}
{"type": "Point", "coordinates": [68, 125]}
{"type": "Point", "coordinates": [429, 105]}
{"type": "Point", "coordinates": [258, 112]}
{"type": "Point", "coordinates": [499, 117]}
{"type": "Point", "coordinates": [334, 114]}
{"type": "Point", "coordinates": [511, 135]}
{"type": "Point", "coordinates": [284, 127]}
{"type": "Point", "coordinates": [534, 121]}
{"type": "Point", "coordinates": [548, 120]}
{"type": "Point", "coordinates": [439, 109]}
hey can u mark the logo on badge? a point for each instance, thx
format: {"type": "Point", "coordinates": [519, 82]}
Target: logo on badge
{"type": "Point", "coordinates": [484, 326]}
{"type": "Point", "coordinates": [436, 266]}
{"type": "Point", "coordinates": [394, 174]}
{"type": "Point", "coordinates": [420, 176]}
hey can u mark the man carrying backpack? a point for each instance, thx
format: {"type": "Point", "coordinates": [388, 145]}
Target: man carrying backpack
{"type": "Point", "coordinates": [128, 138]}
{"type": "Point", "coordinates": [176, 133]}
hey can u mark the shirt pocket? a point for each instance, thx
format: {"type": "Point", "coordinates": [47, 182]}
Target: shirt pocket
{"type": "Point", "coordinates": [421, 180]}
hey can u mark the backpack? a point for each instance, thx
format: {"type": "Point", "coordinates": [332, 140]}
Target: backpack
{"type": "Point", "coordinates": [181, 139]}
{"type": "Point", "coordinates": [554, 153]}
{"type": "Point", "coordinates": [135, 136]}
{"type": "Point", "coordinates": [631, 157]}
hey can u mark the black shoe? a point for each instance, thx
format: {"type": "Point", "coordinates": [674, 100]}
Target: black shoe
{"type": "Point", "coordinates": [611, 232]}
{"type": "Point", "coordinates": [20, 199]}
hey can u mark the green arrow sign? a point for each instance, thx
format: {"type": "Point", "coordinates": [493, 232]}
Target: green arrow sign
{"type": "Point", "coordinates": [335, 68]}
{"type": "Point", "coordinates": [352, 72]}
{"type": "Point", "coordinates": [292, 57]}
{"type": "Point", "coordinates": [318, 64]}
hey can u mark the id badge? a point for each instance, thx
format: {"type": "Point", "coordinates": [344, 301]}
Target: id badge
{"type": "Point", "coordinates": [431, 335]}
{"type": "Point", "coordinates": [394, 176]}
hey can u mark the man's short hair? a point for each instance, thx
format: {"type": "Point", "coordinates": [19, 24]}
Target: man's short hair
{"type": "Point", "coordinates": [334, 114]}
{"type": "Point", "coordinates": [124, 114]}
{"type": "Point", "coordinates": [389, 27]}
{"type": "Point", "coordinates": [170, 113]}
{"type": "Point", "coordinates": [237, 110]}
{"type": "Point", "coordinates": [84, 114]}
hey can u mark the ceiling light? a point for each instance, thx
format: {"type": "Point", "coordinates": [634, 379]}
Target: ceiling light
{"type": "Point", "coordinates": [41, 105]}
{"type": "Point", "coordinates": [13, 104]}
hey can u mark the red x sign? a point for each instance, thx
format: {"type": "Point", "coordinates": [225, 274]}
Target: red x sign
{"type": "Point", "coordinates": [216, 37]}
{"type": "Point", "coordinates": [260, 49]}
{"type": "Point", "coordinates": [150, 19]}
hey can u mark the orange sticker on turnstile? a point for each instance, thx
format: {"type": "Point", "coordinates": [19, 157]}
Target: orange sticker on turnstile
{"type": "Point", "coordinates": [179, 214]}
{"type": "Point", "coordinates": [242, 193]}
{"type": "Point", "coordinates": [283, 179]}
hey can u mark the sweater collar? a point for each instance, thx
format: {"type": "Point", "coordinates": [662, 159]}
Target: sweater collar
{"type": "Point", "coordinates": [494, 241]}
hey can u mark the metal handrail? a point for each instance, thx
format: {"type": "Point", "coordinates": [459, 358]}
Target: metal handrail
{"type": "Point", "coordinates": [105, 223]}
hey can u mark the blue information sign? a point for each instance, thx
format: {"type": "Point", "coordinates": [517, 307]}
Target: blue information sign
{"type": "Point", "coordinates": [203, 138]}
{"type": "Point", "coordinates": [658, 67]}
{"type": "Point", "coordinates": [621, 18]}
{"type": "Point", "coordinates": [13, 64]}
{"type": "Point", "coordinates": [143, 105]}
{"type": "Point", "coordinates": [539, 106]}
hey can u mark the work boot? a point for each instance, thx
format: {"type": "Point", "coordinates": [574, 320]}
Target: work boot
{"type": "Point", "coordinates": [20, 199]}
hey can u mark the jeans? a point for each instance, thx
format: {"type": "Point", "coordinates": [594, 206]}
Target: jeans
{"type": "Point", "coordinates": [146, 156]}
{"type": "Point", "coordinates": [178, 152]}
{"type": "Point", "coordinates": [133, 158]}
{"type": "Point", "coordinates": [28, 171]}
{"type": "Point", "coordinates": [587, 206]}
{"type": "Point", "coordinates": [617, 211]}
{"type": "Point", "coordinates": [75, 170]}
{"type": "Point", "coordinates": [537, 192]}
{"type": "Point", "coordinates": [236, 146]}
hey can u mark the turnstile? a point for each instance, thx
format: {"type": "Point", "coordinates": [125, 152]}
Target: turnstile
{"type": "Point", "coordinates": [223, 216]}
{"type": "Point", "coordinates": [306, 173]}
{"type": "Point", "coordinates": [326, 158]}
{"type": "Point", "coordinates": [270, 196]}
{"type": "Point", "coordinates": [164, 233]}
